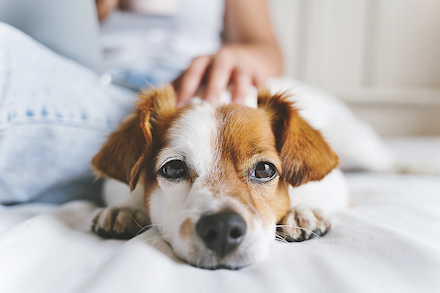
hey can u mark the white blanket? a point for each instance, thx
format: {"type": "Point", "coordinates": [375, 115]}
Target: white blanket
{"type": "Point", "coordinates": [389, 241]}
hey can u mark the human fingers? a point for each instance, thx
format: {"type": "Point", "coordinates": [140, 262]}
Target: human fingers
{"type": "Point", "coordinates": [241, 81]}
{"type": "Point", "coordinates": [258, 81]}
{"type": "Point", "coordinates": [190, 80]}
{"type": "Point", "coordinates": [219, 75]}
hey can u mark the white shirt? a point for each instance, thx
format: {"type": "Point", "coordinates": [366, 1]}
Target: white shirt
{"type": "Point", "coordinates": [140, 40]}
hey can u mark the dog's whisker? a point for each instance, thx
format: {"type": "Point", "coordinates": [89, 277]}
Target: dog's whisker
{"type": "Point", "coordinates": [293, 226]}
{"type": "Point", "coordinates": [283, 234]}
{"type": "Point", "coordinates": [145, 228]}
{"type": "Point", "coordinates": [151, 225]}
{"type": "Point", "coordinates": [280, 239]}
{"type": "Point", "coordinates": [134, 220]}
{"type": "Point", "coordinates": [277, 236]}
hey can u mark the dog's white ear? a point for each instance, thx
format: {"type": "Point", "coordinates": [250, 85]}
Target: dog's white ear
{"type": "Point", "coordinates": [130, 146]}
{"type": "Point", "coordinates": [304, 153]}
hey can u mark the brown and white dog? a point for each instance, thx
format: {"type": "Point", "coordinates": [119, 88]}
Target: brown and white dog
{"type": "Point", "coordinates": [218, 182]}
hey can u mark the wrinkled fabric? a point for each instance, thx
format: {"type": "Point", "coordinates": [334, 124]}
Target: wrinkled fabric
{"type": "Point", "coordinates": [388, 241]}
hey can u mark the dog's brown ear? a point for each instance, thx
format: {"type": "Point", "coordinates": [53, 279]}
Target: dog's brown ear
{"type": "Point", "coordinates": [304, 153]}
{"type": "Point", "coordinates": [128, 148]}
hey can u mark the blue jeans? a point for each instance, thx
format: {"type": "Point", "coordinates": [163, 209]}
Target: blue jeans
{"type": "Point", "coordinates": [54, 116]}
{"type": "Point", "coordinates": [158, 74]}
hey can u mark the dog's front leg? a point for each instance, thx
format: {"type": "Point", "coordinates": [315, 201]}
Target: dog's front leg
{"type": "Point", "coordinates": [307, 217]}
{"type": "Point", "coordinates": [119, 222]}
{"type": "Point", "coordinates": [125, 216]}
{"type": "Point", "coordinates": [302, 223]}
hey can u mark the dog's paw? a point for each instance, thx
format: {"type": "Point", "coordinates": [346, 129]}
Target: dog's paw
{"type": "Point", "coordinates": [303, 223]}
{"type": "Point", "coordinates": [119, 223]}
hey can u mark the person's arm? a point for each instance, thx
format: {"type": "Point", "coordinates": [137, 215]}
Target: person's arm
{"type": "Point", "coordinates": [249, 56]}
{"type": "Point", "coordinates": [105, 7]}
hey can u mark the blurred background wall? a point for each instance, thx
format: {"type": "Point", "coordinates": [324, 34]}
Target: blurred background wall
{"type": "Point", "coordinates": [382, 57]}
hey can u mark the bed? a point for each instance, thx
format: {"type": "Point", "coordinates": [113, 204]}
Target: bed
{"type": "Point", "coordinates": [388, 241]}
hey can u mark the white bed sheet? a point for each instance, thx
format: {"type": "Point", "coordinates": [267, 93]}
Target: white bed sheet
{"type": "Point", "coordinates": [389, 241]}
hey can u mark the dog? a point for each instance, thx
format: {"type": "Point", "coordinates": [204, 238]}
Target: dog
{"type": "Point", "coordinates": [219, 182]}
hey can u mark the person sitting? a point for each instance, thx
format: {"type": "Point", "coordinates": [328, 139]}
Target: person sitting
{"type": "Point", "coordinates": [56, 114]}
{"type": "Point", "coordinates": [215, 42]}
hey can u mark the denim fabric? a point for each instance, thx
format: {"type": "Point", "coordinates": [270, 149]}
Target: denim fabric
{"type": "Point", "coordinates": [155, 75]}
{"type": "Point", "coordinates": [54, 116]}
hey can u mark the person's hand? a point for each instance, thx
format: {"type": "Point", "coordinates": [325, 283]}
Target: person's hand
{"type": "Point", "coordinates": [226, 67]}
{"type": "Point", "coordinates": [105, 7]}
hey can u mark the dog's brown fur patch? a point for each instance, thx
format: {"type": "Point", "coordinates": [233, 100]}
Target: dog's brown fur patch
{"type": "Point", "coordinates": [132, 144]}
{"type": "Point", "coordinates": [246, 138]}
{"type": "Point", "coordinates": [274, 132]}
{"type": "Point", "coordinates": [186, 229]}
{"type": "Point", "coordinates": [304, 153]}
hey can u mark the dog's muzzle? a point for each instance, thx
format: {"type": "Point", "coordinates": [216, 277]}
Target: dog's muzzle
{"type": "Point", "coordinates": [222, 232]}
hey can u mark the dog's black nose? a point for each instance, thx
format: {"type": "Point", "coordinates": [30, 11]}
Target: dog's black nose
{"type": "Point", "coordinates": [222, 232]}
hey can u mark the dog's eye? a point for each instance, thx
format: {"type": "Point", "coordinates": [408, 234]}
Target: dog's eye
{"type": "Point", "coordinates": [265, 171]}
{"type": "Point", "coordinates": [174, 169]}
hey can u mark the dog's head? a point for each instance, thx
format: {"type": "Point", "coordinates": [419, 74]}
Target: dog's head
{"type": "Point", "coordinates": [215, 177]}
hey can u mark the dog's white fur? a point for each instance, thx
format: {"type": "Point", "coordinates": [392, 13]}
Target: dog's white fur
{"type": "Point", "coordinates": [169, 210]}
{"type": "Point", "coordinates": [191, 140]}
{"type": "Point", "coordinates": [174, 202]}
